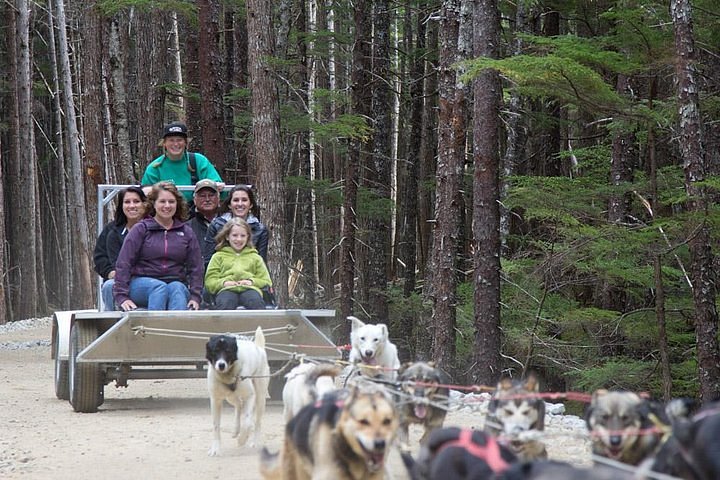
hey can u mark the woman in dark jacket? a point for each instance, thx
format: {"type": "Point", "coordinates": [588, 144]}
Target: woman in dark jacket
{"type": "Point", "coordinates": [160, 266]}
{"type": "Point", "coordinates": [129, 211]}
{"type": "Point", "coordinates": [240, 203]}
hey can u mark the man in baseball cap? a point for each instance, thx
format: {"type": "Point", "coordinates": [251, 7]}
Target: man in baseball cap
{"type": "Point", "coordinates": [206, 198]}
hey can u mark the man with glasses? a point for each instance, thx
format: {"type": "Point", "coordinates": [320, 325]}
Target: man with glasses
{"type": "Point", "coordinates": [206, 198]}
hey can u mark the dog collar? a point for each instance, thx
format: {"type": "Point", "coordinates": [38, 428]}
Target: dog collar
{"type": "Point", "coordinates": [490, 453]}
{"type": "Point", "coordinates": [233, 385]}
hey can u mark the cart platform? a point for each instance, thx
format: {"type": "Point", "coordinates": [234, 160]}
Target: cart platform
{"type": "Point", "coordinates": [94, 348]}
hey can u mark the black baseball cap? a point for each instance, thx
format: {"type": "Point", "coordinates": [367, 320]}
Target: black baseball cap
{"type": "Point", "coordinates": [175, 129]}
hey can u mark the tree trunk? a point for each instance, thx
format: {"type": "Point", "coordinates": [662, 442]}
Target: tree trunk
{"type": "Point", "coordinates": [691, 148]}
{"type": "Point", "coordinates": [486, 196]}
{"type": "Point", "coordinates": [82, 291]}
{"type": "Point", "coordinates": [407, 208]}
{"type": "Point", "coordinates": [428, 151]}
{"type": "Point", "coordinates": [57, 183]}
{"type": "Point", "coordinates": [360, 101]}
{"type": "Point", "coordinates": [266, 136]}
{"type": "Point", "coordinates": [151, 69]}
{"type": "Point", "coordinates": [378, 171]}
{"type": "Point", "coordinates": [662, 331]}
{"type": "Point", "coordinates": [3, 272]}
{"type": "Point", "coordinates": [516, 130]}
{"type": "Point", "coordinates": [23, 251]}
{"type": "Point", "coordinates": [621, 166]}
{"type": "Point", "coordinates": [211, 84]}
{"type": "Point", "coordinates": [237, 169]}
{"type": "Point", "coordinates": [92, 106]}
{"type": "Point", "coordinates": [448, 210]}
{"type": "Point", "coordinates": [121, 169]}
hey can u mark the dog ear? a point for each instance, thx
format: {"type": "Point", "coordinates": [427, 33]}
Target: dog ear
{"type": "Point", "coordinates": [356, 323]}
{"type": "Point", "coordinates": [383, 329]}
{"type": "Point", "coordinates": [532, 384]}
{"type": "Point", "coordinates": [504, 384]}
{"type": "Point", "coordinates": [431, 363]}
{"type": "Point", "coordinates": [599, 393]}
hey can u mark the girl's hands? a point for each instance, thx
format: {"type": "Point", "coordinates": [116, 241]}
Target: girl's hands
{"type": "Point", "coordinates": [237, 283]}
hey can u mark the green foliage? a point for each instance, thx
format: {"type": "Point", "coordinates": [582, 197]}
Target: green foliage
{"type": "Point", "coordinates": [372, 206]}
{"type": "Point", "coordinates": [589, 52]}
{"type": "Point", "coordinates": [327, 193]}
{"type": "Point", "coordinates": [553, 76]}
{"type": "Point", "coordinates": [345, 126]}
{"type": "Point", "coordinates": [618, 373]}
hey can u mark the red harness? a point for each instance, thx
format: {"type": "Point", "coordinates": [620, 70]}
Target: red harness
{"type": "Point", "coordinates": [489, 453]}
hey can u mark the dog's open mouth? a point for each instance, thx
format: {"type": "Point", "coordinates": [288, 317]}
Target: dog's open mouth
{"type": "Point", "coordinates": [368, 360]}
{"type": "Point", "coordinates": [420, 411]}
{"type": "Point", "coordinates": [375, 459]}
{"type": "Point", "coordinates": [614, 452]}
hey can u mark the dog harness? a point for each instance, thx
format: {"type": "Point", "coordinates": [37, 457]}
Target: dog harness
{"type": "Point", "coordinates": [489, 453]}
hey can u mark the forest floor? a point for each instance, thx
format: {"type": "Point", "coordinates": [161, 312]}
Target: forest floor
{"type": "Point", "coordinates": [152, 429]}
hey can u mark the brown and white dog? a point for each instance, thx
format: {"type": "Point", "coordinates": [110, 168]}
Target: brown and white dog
{"type": "Point", "coordinates": [345, 436]}
{"type": "Point", "coordinates": [517, 416]}
{"type": "Point", "coordinates": [305, 384]}
{"type": "Point", "coordinates": [624, 426]}
{"type": "Point", "coordinates": [423, 390]}
{"type": "Point", "coordinates": [238, 372]}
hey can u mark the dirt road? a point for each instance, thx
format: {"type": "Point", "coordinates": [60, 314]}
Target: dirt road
{"type": "Point", "coordinates": [152, 429]}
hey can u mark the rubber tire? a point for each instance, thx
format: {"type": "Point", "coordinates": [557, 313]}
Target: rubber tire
{"type": "Point", "coordinates": [62, 377]}
{"type": "Point", "coordinates": [85, 382]}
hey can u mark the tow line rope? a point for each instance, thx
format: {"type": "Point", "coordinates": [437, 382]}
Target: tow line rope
{"type": "Point", "coordinates": [142, 330]}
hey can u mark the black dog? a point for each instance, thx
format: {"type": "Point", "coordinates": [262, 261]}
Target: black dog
{"type": "Point", "coordinates": [554, 470]}
{"type": "Point", "coordinates": [692, 452]}
{"type": "Point", "coordinates": [458, 454]}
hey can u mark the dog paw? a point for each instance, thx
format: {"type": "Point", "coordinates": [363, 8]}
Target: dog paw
{"type": "Point", "coordinates": [214, 451]}
{"type": "Point", "coordinates": [242, 437]}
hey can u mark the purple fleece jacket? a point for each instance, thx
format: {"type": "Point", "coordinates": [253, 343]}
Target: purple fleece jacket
{"type": "Point", "coordinates": [151, 251]}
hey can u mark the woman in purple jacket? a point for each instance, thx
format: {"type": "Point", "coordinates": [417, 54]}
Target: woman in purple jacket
{"type": "Point", "coordinates": [160, 266]}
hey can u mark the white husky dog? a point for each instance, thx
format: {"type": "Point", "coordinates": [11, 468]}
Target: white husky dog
{"type": "Point", "coordinates": [372, 348]}
{"type": "Point", "coordinates": [305, 384]}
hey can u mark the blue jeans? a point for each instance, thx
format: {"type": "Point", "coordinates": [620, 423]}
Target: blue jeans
{"type": "Point", "coordinates": [107, 295]}
{"type": "Point", "coordinates": [154, 294]}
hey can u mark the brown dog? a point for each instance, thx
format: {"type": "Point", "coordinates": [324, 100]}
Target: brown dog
{"type": "Point", "coordinates": [422, 390]}
{"type": "Point", "coordinates": [345, 436]}
{"type": "Point", "coordinates": [623, 426]}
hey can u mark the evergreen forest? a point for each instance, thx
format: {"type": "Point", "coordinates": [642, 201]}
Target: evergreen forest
{"type": "Point", "coordinates": [511, 187]}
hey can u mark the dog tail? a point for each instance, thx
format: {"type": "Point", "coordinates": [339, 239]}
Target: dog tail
{"type": "Point", "coordinates": [270, 465]}
{"type": "Point", "coordinates": [322, 370]}
{"type": "Point", "coordinates": [259, 337]}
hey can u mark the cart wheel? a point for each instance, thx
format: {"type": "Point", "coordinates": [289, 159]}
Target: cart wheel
{"type": "Point", "coordinates": [85, 382]}
{"type": "Point", "coordinates": [62, 387]}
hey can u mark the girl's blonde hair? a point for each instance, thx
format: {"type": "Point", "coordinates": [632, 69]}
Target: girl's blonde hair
{"type": "Point", "coordinates": [221, 239]}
